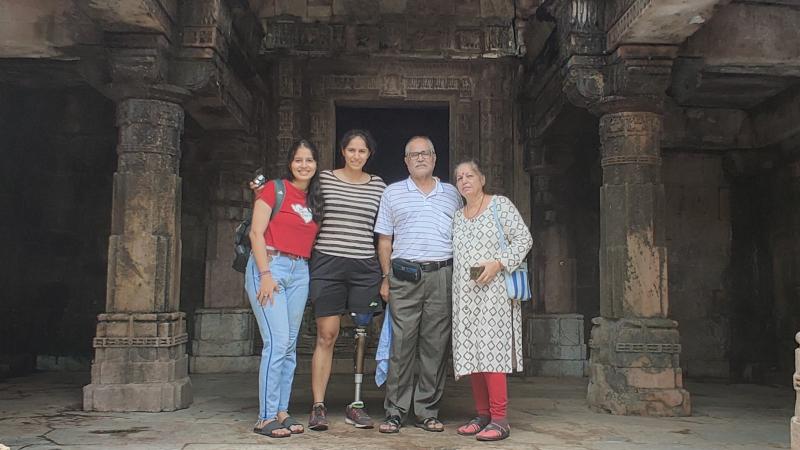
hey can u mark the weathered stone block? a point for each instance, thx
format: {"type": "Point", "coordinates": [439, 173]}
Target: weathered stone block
{"type": "Point", "coordinates": [497, 8]}
{"type": "Point", "coordinates": [543, 331]}
{"type": "Point", "coordinates": [550, 351]}
{"type": "Point", "coordinates": [223, 332]}
{"type": "Point", "coordinates": [220, 348]}
{"type": "Point", "coordinates": [223, 324]}
{"type": "Point", "coordinates": [556, 346]}
{"type": "Point", "coordinates": [224, 364]}
{"type": "Point", "coordinates": [634, 368]}
{"type": "Point", "coordinates": [149, 397]}
{"type": "Point", "coordinates": [556, 368]}
{"type": "Point", "coordinates": [649, 378]}
{"type": "Point", "coordinates": [392, 6]}
{"type": "Point", "coordinates": [291, 7]}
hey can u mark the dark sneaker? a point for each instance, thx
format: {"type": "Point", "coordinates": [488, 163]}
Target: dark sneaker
{"type": "Point", "coordinates": [318, 420]}
{"type": "Point", "coordinates": [356, 415]}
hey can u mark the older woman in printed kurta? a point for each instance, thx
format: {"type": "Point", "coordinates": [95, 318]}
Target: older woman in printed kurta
{"type": "Point", "coordinates": [487, 325]}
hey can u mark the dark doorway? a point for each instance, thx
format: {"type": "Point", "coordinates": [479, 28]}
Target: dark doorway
{"type": "Point", "coordinates": [392, 127]}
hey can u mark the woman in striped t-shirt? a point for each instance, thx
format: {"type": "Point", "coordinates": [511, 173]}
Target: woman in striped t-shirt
{"type": "Point", "coordinates": [345, 274]}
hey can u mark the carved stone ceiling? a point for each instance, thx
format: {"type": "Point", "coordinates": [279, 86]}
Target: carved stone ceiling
{"type": "Point", "coordinates": [747, 53]}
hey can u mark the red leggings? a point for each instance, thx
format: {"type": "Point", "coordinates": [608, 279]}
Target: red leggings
{"type": "Point", "coordinates": [490, 391]}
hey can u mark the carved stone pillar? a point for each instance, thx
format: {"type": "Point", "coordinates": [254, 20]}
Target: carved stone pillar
{"type": "Point", "coordinates": [556, 342]}
{"type": "Point", "coordinates": [224, 328]}
{"type": "Point", "coordinates": [634, 346]}
{"type": "Point", "coordinates": [140, 361]}
{"type": "Point", "coordinates": [796, 383]}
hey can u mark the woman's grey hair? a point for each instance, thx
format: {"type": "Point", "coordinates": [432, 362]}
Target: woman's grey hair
{"type": "Point", "coordinates": [472, 163]}
{"type": "Point", "coordinates": [423, 138]}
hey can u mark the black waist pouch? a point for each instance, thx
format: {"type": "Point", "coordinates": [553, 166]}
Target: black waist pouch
{"type": "Point", "coordinates": [406, 270]}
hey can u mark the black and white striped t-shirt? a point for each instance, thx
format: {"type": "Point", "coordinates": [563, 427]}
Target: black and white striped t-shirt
{"type": "Point", "coordinates": [349, 218]}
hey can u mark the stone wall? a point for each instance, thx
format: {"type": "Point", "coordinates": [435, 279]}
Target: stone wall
{"type": "Point", "coordinates": [765, 260]}
{"type": "Point", "coordinates": [699, 243]}
{"type": "Point", "coordinates": [58, 157]}
{"type": "Point", "coordinates": [784, 239]}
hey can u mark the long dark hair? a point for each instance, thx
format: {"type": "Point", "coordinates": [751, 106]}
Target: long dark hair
{"type": "Point", "coordinates": [313, 194]}
{"type": "Point", "coordinates": [363, 134]}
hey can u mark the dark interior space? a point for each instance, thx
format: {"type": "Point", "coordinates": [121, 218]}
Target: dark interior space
{"type": "Point", "coordinates": [391, 128]}
{"type": "Point", "coordinates": [57, 147]}
{"type": "Point", "coordinates": [764, 267]}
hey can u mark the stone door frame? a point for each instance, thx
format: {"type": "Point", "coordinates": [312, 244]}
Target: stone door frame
{"type": "Point", "coordinates": [328, 152]}
{"type": "Point", "coordinates": [309, 91]}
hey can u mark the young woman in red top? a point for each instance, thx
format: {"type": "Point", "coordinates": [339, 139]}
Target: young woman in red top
{"type": "Point", "coordinates": [277, 279]}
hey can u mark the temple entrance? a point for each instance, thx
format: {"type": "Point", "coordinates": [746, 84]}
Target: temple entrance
{"type": "Point", "coordinates": [392, 127]}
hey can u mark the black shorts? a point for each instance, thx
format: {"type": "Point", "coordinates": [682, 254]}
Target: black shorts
{"type": "Point", "coordinates": [342, 285]}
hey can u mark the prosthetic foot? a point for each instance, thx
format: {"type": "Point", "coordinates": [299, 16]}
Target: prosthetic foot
{"type": "Point", "coordinates": [355, 414]}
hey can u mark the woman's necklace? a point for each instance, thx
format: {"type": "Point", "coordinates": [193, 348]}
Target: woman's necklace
{"type": "Point", "coordinates": [480, 205]}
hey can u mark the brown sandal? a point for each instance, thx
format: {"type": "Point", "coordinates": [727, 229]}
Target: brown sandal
{"type": "Point", "coordinates": [290, 422]}
{"type": "Point", "coordinates": [271, 427]}
{"type": "Point", "coordinates": [430, 424]}
{"type": "Point", "coordinates": [390, 425]}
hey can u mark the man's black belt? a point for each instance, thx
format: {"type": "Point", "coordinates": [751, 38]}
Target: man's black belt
{"type": "Point", "coordinates": [432, 266]}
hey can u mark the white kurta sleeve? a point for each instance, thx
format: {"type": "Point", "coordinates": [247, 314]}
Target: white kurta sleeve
{"type": "Point", "coordinates": [517, 234]}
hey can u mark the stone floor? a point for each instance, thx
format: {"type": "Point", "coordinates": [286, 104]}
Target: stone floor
{"type": "Point", "coordinates": [43, 411]}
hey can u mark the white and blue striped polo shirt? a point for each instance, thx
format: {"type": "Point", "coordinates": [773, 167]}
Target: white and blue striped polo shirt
{"type": "Point", "coordinates": [421, 224]}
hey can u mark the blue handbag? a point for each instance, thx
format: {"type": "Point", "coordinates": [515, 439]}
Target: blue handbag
{"type": "Point", "coordinates": [517, 285]}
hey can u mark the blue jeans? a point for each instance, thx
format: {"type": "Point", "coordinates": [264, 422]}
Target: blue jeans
{"type": "Point", "coordinates": [279, 324]}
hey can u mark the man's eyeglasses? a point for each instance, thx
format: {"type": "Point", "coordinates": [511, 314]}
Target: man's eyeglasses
{"type": "Point", "coordinates": [415, 155]}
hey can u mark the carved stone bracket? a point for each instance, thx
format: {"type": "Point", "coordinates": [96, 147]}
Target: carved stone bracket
{"type": "Point", "coordinates": [584, 81]}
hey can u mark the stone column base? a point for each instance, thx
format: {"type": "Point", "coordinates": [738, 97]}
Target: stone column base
{"type": "Point", "coordinates": [634, 368]}
{"type": "Point", "coordinates": [556, 345]}
{"type": "Point", "coordinates": [223, 341]}
{"type": "Point", "coordinates": [150, 397]}
{"type": "Point", "coordinates": [140, 363]}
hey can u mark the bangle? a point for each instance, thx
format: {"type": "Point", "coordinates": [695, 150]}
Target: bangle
{"type": "Point", "coordinates": [264, 272]}
{"type": "Point", "coordinates": [384, 275]}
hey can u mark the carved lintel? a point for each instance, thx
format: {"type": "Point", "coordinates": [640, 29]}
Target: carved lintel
{"type": "Point", "coordinates": [396, 85]}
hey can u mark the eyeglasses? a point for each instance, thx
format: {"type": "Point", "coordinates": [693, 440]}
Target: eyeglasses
{"type": "Point", "coordinates": [415, 155]}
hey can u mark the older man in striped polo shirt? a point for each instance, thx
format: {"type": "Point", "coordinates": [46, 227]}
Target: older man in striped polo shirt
{"type": "Point", "coordinates": [414, 225]}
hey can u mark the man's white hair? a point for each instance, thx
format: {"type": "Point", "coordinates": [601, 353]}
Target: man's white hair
{"type": "Point", "coordinates": [421, 138]}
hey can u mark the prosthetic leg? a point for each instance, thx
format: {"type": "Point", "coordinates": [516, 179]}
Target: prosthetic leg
{"type": "Point", "coordinates": [355, 414]}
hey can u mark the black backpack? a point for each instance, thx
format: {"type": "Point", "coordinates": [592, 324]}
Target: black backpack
{"type": "Point", "coordinates": [241, 238]}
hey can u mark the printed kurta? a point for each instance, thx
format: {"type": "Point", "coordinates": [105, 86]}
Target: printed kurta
{"type": "Point", "coordinates": [487, 325]}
